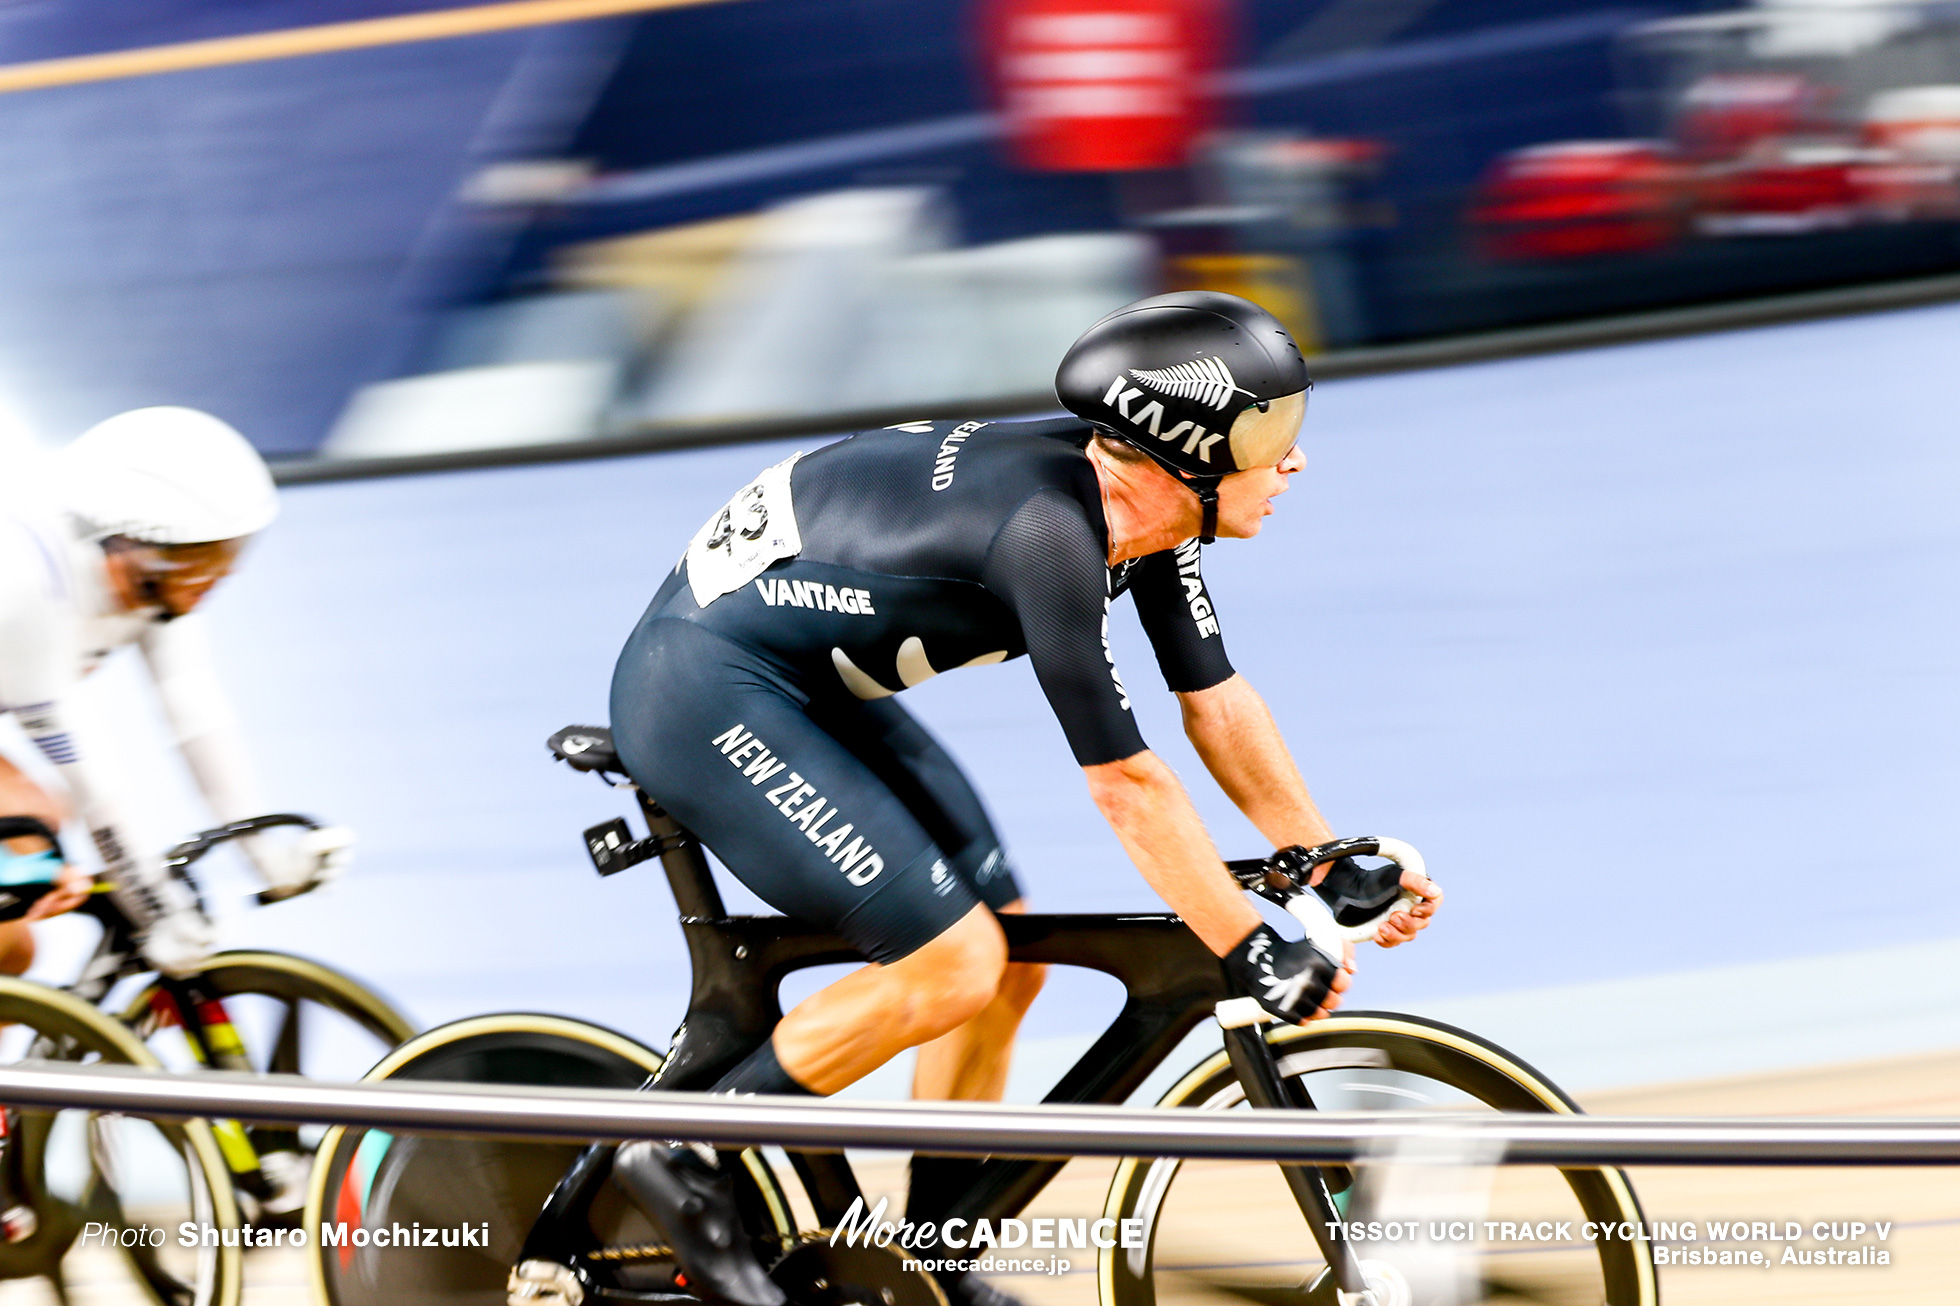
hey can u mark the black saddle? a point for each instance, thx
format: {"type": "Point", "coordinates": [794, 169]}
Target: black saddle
{"type": "Point", "coordinates": [586, 748]}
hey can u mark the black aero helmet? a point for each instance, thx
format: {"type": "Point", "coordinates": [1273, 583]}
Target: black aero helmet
{"type": "Point", "coordinates": [1205, 383]}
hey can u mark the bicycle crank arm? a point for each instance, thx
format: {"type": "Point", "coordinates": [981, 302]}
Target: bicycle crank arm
{"type": "Point", "coordinates": [547, 1283]}
{"type": "Point", "coordinates": [1258, 1072]}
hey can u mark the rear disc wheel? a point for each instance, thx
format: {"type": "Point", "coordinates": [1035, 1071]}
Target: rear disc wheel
{"type": "Point", "coordinates": [482, 1196]}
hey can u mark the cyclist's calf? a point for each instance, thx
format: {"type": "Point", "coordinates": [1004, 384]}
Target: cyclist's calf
{"type": "Point", "coordinates": [953, 978]}
{"type": "Point", "coordinates": [1021, 984]}
{"type": "Point", "coordinates": [839, 1035]}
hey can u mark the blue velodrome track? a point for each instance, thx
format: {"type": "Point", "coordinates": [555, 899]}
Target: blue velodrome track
{"type": "Point", "coordinates": [1653, 650]}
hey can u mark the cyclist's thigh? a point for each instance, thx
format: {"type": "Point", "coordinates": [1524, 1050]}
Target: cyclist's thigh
{"type": "Point", "coordinates": [918, 769]}
{"type": "Point", "coordinates": [713, 733]}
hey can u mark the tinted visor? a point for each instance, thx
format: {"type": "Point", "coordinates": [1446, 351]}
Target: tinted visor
{"type": "Point", "coordinates": [1261, 439]}
{"type": "Point", "coordinates": [180, 574]}
{"type": "Point", "coordinates": [192, 562]}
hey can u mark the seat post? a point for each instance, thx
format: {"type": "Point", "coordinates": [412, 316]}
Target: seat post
{"type": "Point", "coordinates": [687, 866]}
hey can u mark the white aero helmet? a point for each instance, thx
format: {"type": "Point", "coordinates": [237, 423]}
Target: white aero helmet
{"type": "Point", "coordinates": [167, 476]}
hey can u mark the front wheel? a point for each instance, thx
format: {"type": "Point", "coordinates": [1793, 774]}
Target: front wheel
{"type": "Point", "coordinates": [107, 1181]}
{"type": "Point", "coordinates": [481, 1196]}
{"type": "Point", "coordinates": [278, 1014]}
{"type": "Point", "coordinates": [314, 1020]}
{"type": "Point", "coordinates": [1216, 1230]}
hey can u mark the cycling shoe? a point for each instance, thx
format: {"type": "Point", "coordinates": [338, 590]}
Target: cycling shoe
{"type": "Point", "coordinates": [693, 1205]}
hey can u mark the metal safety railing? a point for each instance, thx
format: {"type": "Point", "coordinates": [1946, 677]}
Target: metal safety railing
{"type": "Point", "coordinates": [978, 1129]}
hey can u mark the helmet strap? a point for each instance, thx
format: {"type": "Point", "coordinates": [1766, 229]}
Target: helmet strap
{"type": "Point", "coordinates": [1205, 487]}
{"type": "Point", "coordinates": [1207, 492]}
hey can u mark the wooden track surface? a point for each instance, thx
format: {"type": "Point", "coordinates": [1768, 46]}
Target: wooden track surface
{"type": "Point", "coordinates": [1923, 1204]}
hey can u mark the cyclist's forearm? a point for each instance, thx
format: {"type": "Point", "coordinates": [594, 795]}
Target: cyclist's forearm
{"type": "Point", "coordinates": [208, 734]}
{"type": "Point", "coordinates": [1235, 734]}
{"type": "Point", "coordinates": [201, 716]}
{"type": "Point", "coordinates": [222, 766]}
{"type": "Point", "coordinates": [1158, 827]}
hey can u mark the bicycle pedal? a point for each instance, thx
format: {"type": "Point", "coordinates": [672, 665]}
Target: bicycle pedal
{"type": "Point", "coordinates": [544, 1283]}
{"type": "Point", "coordinates": [19, 1224]}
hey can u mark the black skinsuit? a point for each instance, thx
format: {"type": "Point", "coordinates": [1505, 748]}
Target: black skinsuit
{"type": "Point", "coordinates": [759, 713]}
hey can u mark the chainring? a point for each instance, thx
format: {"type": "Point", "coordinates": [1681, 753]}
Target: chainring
{"type": "Point", "coordinates": [817, 1273]}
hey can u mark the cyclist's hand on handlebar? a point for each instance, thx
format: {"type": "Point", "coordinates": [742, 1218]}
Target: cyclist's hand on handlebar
{"type": "Point", "coordinates": [1293, 981]}
{"type": "Point", "coordinates": [1355, 893]}
{"type": "Point", "coordinates": [71, 890]}
{"type": "Point", "coordinates": [1402, 926]}
{"type": "Point", "coordinates": [302, 864]}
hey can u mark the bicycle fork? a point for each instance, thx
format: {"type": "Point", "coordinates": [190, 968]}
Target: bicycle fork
{"type": "Point", "coordinates": [1253, 1062]}
{"type": "Point", "coordinates": [214, 1041]}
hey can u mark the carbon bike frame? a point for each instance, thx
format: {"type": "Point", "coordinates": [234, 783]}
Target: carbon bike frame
{"type": "Point", "coordinates": [190, 1002]}
{"type": "Point", "coordinates": [1171, 981]}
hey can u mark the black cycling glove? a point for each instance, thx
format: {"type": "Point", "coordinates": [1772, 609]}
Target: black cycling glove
{"type": "Point", "coordinates": [1354, 893]}
{"type": "Point", "coordinates": [1289, 980]}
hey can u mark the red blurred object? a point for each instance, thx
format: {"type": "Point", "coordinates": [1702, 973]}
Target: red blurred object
{"type": "Point", "coordinates": [1579, 199]}
{"type": "Point", "coordinates": [1920, 122]}
{"type": "Point", "coordinates": [1903, 189]}
{"type": "Point", "coordinates": [1104, 85]}
{"type": "Point", "coordinates": [1786, 187]}
{"type": "Point", "coordinates": [1724, 114]}
{"type": "Point", "coordinates": [1916, 130]}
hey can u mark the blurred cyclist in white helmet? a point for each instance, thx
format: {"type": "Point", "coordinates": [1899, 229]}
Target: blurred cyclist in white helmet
{"type": "Point", "coordinates": [116, 544]}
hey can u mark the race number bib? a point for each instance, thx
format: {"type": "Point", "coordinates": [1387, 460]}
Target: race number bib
{"type": "Point", "coordinates": [757, 528]}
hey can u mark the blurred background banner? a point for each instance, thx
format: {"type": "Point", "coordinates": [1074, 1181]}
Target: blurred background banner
{"type": "Point", "coordinates": [1102, 86]}
{"type": "Point", "coordinates": [508, 229]}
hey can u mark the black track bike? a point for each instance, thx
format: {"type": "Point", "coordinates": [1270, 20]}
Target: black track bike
{"type": "Point", "coordinates": [559, 1233]}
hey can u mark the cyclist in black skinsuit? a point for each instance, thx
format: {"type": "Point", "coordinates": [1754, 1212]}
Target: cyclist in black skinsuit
{"type": "Point", "coordinates": [764, 719]}
{"type": "Point", "coordinates": [754, 701]}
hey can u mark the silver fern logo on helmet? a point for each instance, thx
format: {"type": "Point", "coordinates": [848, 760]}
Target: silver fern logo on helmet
{"type": "Point", "coordinates": [1207, 380]}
